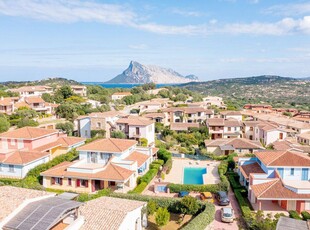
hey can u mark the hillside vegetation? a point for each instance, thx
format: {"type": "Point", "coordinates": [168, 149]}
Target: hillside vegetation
{"type": "Point", "coordinates": [274, 90]}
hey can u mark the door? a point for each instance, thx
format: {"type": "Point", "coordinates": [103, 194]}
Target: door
{"type": "Point", "coordinates": [291, 205]}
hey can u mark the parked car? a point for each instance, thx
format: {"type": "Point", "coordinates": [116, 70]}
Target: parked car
{"type": "Point", "coordinates": [183, 193]}
{"type": "Point", "coordinates": [227, 215]}
{"type": "Point", "coordinates": [207, 196]}
{"type": "Point", "coordinates": [222, 198]}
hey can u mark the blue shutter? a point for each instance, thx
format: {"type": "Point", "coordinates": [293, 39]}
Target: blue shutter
{"type": "Point", "coordinates": [304, 174]}
{"type": "Point", "coordinates": [280, 170]}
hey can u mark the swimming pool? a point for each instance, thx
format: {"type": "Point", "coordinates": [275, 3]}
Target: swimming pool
{"type": "Point", "coordinates": [193, 175]}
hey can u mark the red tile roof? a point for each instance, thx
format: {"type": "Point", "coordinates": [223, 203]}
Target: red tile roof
{"type": "Point", "coordinates": [65, 142]}
{"type": "Point", "coordinates": [110, 172]}
{"type": "Point", "coordinates": [215, 121]}
{"type": "Point", "coordinates": [275, 189]}
{"type": "Point", "coordinates": [113, 145]}
{"type": "Point", "coordinates": [137, 121]}
{"type": "Point", "coordinates": [283, 158]}
{"type": "Point", "coordinates": [23, 157]}
{"type": "Point", "coordinates": [28, 133]}
{"type": "Point", "coordinates": [246, 170]}
{"type": "Point", "coordinates": [183, 126]}
{"type": "Point", "coordinates": [237, 143]}
{"type": "Point", "coordinates": [31, 100]}
{"type": "Point", "coordinates": [139, 157]}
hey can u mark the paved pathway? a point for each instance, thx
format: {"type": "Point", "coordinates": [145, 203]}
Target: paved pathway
{"type": "Point", "coordinates": [217, 224]}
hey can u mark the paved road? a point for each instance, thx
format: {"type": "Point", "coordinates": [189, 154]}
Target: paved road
{"type": "Point", "coordinates": [217, 224]}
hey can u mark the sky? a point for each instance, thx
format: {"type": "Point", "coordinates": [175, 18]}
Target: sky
{"type": "Point", "coordinates": [95, 40]}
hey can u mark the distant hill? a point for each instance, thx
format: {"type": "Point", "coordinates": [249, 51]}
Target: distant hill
{"type": "Point", "coordinates": [138, 73]}
{"type": "Point", "coordinates": [276, 90]}
{"type": "Point", "coordinates": [47, 81]}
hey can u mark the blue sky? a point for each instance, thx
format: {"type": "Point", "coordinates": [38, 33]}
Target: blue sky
{"type": "Point", "coordinates": [89, 40]}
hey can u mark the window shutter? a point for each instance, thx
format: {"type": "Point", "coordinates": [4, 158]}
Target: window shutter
{"type": "Point", "coordinates": [78, 183]}
{"type": "Point", "coordinates": [60, 181]}
{"type": "Point", "coordinates": [53, 180]}
{"type": "Point", "coordinates": [86, 183]}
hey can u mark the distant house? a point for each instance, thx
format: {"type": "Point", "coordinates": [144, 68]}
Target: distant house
{"type": "Point", "coordinates": [80, 90]}
{"type": "Point", "coordinates": [97, 121]}
{"type": "Point", "coordinates": [215, 101]}
{"type": "Point", "coordinates": [104, 163]}
{"type": "Point", "coordinates": [27, 91]}
{"type": "Point", "coordinates": [120, 95]}
{"type": "Point", "coordinates": [231, 114]}
{"type": "Point", "coordinates": [157, 117]}
{"type": "Point", "coordinates": [257, 106]}
{"type": "Point", "coordinates": [114, 214]}
{"type": "Point", "coordinates": [181, 127]}
{"type": "Point", "coordinates": [7, 104]}
{"type": "Point", "coordinates": [226, 146]}
{"type": "Point", "coordinates": [137, 128]}
{"type": "Point", "coordinates": [276, 178]}
{"type": "Point", "coordinates": [188, 114]}
{"type": "Point", "coordinates": [304, 138]}
{"type": "Point", "coordinates": [224, 128]}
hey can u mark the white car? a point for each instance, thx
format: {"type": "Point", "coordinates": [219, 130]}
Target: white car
{"type": "Point", "coordinates": [227, 215]}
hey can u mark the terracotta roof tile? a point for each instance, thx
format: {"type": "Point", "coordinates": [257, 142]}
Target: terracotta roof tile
{"type": "Point", "coordinates": [155, 115]}
{"type": "Point", "coordinates": [23, 157]}
{"type": "Point", "coordinates": [237, 143]}
{"type": "Point", "coordinates": [231, 123]}
{"type": "Point", "coordinates": [215, 121]}
{"type": "Point", "coordinates": [246, 170]}
{"type": "Point", "coordinates": [65, 142]}
{"type": "Point", "coordinates": [110, 172]}
{"type": "Point", "coordinates": [107, 212]}
{"type": "Point", "coordinates": [283, 158]}
{"type": "Point", "coordinates": [28, 133]}
{"type": "Point", "coordinates": [138, 121]}
{"type": "Point", "coordinates": [31, 100]}
{"type": "Point", "coordinates": [139, 157]}
{"type": "Point", "coordinates": [113, 145]}
{"type": "Point", "coordinates": [183, 126]}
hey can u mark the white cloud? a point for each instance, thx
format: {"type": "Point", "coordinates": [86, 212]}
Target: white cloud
{"type": "Point", "coordinates": [67, 11]}
{"type": "Point", "coordinates": [186, 13]}
{"type": "Point", "coordinates": [71, 11]}
{"type": "Point", "coordinates": [292, 9]}
{"type": "Point", "coordinates": [138, 46]}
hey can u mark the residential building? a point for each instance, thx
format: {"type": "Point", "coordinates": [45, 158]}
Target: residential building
{"type": "Point", "coordinates": [104, 163]}
{"type": "Point", "coordinates": [137, 127]}
{"type": "Point", "coordinates": [157, 117]}
{"type": "Point", "coordinates": [37, 90]}
{"type": "Point", "coordinates": [304, 138]}
{"type": "Point", "coordinates": [7, 104]}
{"type": "Point", "coordinates": [231, 114]}
{"type": "Point", "coordinates": [276, 178]}
{"type": "Point", "coordinates": [188, 114]}
{"type": "Point", "coordinates": [224, 128]}
{"type": "Point", "coordinates": [97, 121]}
{"type": "Point", "coordinates": [37, 104]}
{"type": "Point", "coordinates": [257, 106]}
{"type": "Point", "coordinates": [114, 214]}
{"type": "Point", "coordinates": [120, 95]}
{"type": "Point", "coordinates": [291, 144]}
{"type": "Point", "coordinates": [25, 148]}
{"type": "Point", "coordinates": [150, 107]}
{"type": "Point", "coordinates": [181, 127]}
{"type": "Point", "coordinates": [80, 90]}
{"type": "Point", "coordinates": [226, 146]}
{"type": "Point", "coordinates": [215, 101]}
{"type": "Point", "coordinates": [302, 116]}
{"type": "Point", "coordinates": [31, 209]}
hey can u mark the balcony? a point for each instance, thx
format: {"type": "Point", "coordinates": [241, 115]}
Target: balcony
{"type": "Point", "coordinates": [136, 135]}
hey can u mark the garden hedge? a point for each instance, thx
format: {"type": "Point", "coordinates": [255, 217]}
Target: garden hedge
{"type": "Point", "coordinates": [244, 205]}
{"type": "Point", "coordinates": [175, 188]}
{"type": "Point", "coordinates": [305, 215]}
{"type": "Point", "coordinates": [294, 214]}
{"type": "Point", "coordinates": [203, 219]}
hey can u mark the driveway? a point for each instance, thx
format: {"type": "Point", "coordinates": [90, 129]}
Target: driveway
{"type": "Point", "coordinates": [217, 224]}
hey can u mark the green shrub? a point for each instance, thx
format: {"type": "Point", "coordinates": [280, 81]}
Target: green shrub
{"type": "Point", "coordinates": [305, 215]}
{"type": "Point", "coordinates": [168, 165]}
{"type": "Point", "coordinates": [189, 205]}
{"type": "Point", "coordinates": [139, 188]}
{"type": "Point", "coordinates": [151, 207]}
{"type": "Point", "coordinates": [294, 214]}
{"type": "Point", "coordinates": [232, 180]}
{"type": "Point", "coordinates": [244, 205]}
{"type": "Point", "coordinates": [162, 217]}
{"type": "Point", "coordinates": [175, 188]}
{"type": "Point", "coordinates": [203, 219]}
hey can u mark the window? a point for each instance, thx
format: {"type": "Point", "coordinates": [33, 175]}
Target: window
{"type": "Point", "coordinates": [69, 181]}
{"type": "Point", "coordinates": [11, 168]}
{"type": "Point", "coordinates": [199, 114]}
{"type": "Point", "coordinates": [58, 180]}
{"type": "Point", "coordinates": [86, 133]}
{"type": "Point", "coordinates": [98, 125]}
{"type": "Point", "coordinates": [120, 127]}
{"type": "Point", "coordinates": [13, 142]}
{"type": "Point", "coordinates": [84, 183]}
{"type": "Point", "coordinates": [292, 172]}
{"type": "Point", "coordinates": [229, 128]}
{"type": "Point", "coordinates": [137, 130]}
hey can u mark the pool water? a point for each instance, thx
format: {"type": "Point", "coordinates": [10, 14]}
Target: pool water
{"type": "Point", "coordinates": [193, 175]}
